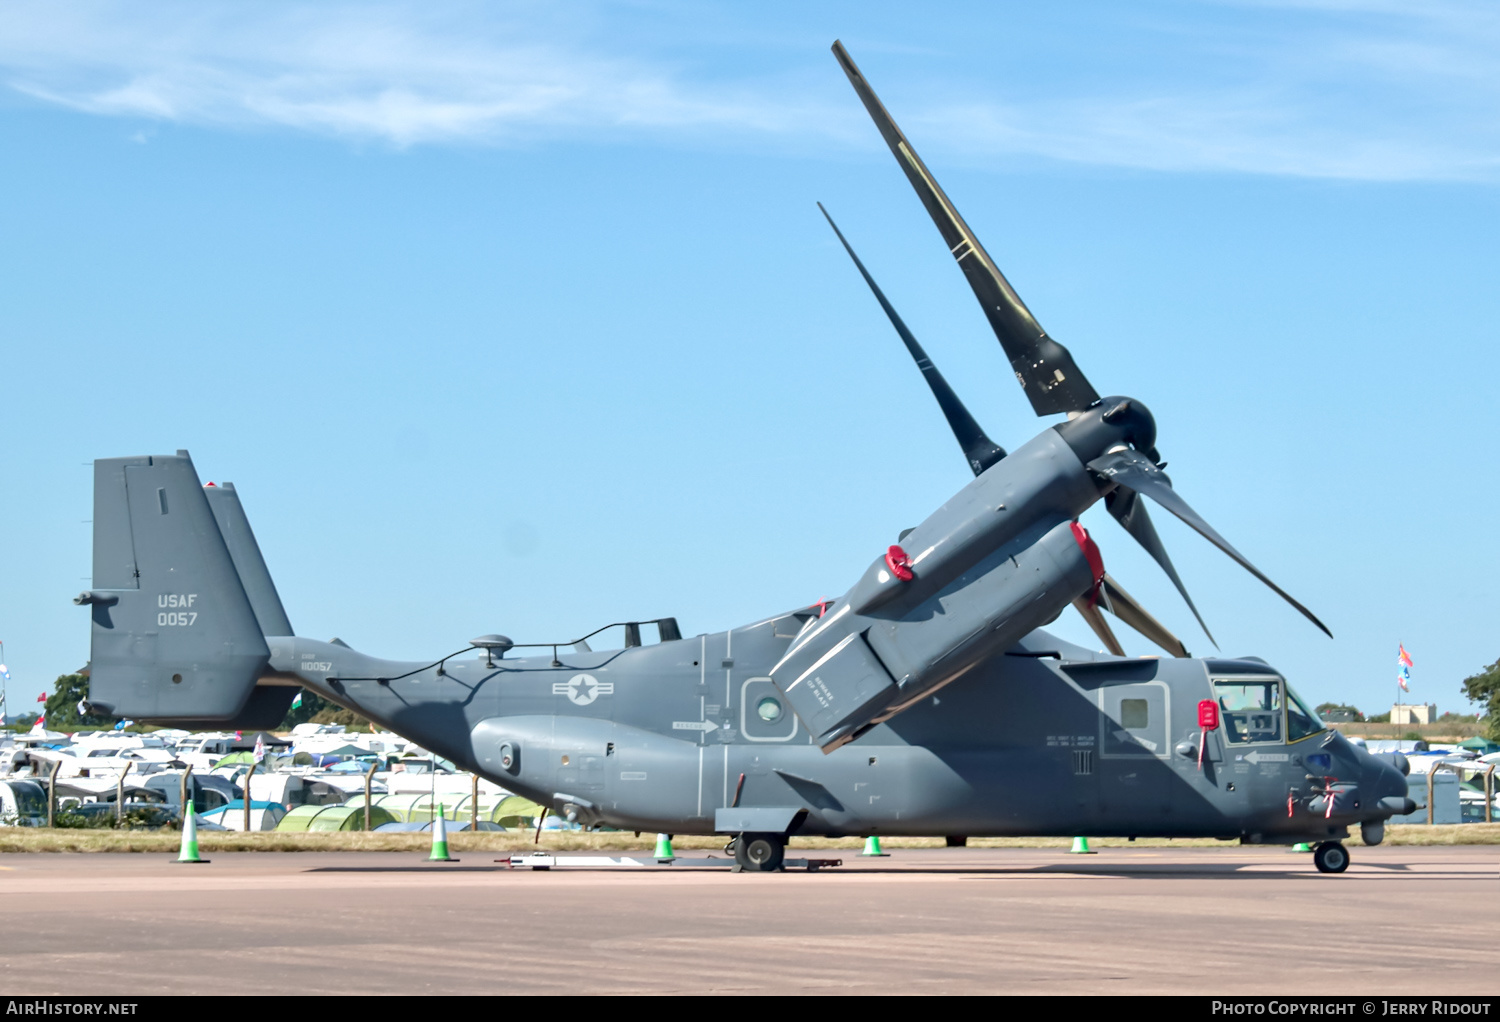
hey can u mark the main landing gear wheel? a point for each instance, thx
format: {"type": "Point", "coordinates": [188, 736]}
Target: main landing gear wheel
{"type": "Point", "coordinates": [759, 853]}
{"type": "Point", "coordinates": [1331, 857]}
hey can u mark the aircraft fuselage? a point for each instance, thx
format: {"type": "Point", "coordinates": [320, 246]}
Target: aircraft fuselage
{"type": "Point", "coordinates": [656, 737]}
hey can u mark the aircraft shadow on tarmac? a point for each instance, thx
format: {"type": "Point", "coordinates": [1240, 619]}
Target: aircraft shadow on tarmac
{"type": "Point", "coordinates": [437, 868]}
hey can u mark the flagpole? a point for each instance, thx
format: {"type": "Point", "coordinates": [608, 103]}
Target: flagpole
{"type": "Point", "coordinates": [1399, 665]}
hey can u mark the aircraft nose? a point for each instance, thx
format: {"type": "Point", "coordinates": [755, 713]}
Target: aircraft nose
{"type": "Point", "coordinates": [1389, 786]}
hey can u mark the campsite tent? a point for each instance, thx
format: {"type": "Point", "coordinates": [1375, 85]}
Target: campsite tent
{"type": "Point", "coordinates": [320, 818]}
{"type": "Point", "coordinates": [509, 811]}
{"type": "Point", "coordinates": [405, 808]}
{"type": "Point", "coordinates": [263, 815]}
{"type": "Point", "coordinates": [349, 818]}
{"type": "Point", "coordinates": [408, 828]}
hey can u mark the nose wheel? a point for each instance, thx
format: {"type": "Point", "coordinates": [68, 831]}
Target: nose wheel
{"type": "Point", "coordinates": [1331, 857]}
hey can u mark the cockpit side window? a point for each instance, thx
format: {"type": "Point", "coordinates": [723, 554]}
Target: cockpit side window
{"type": "Point", "coordinates": [1300, 721]}
{"type": "Point", "coordinates": [1251, 709]}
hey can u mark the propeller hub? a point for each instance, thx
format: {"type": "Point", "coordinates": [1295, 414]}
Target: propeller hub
{"type": "Point", "coordinates": [1110, 423]}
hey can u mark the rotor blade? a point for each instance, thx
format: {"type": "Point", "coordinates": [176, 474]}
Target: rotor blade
{"type": "Point", "coordinates": [1100, 626]}
{"type": "Point", "coordinates": [1120, 603]}
{"type": "Point", "coordinates": [980, 450]}
{"type": "Point", "coordinates": [1044, 368]}
{"type": "Point", "coordinates": [1129, 468]}
{"type": "Point", "coordinates": [1130, 511]}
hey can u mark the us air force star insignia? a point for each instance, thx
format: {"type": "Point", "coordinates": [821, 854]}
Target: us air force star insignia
{"type": "Point", "coordinates": [583, 689]}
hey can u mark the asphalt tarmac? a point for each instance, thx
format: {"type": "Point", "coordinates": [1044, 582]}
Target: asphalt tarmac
{"type": "Point", "coordinates": [1215, 921]}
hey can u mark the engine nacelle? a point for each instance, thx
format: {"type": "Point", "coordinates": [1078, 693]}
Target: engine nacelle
{"type": "Point", "coordinates": [997, 561]}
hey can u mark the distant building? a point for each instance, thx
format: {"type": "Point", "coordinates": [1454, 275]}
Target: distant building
{"type": "Point", "coordinates": [1419, 713]}
{"type": "Point", "coordinates": [1337, 716]}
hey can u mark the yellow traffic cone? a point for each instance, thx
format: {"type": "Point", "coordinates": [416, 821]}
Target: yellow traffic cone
{"type": "Point", "coordinates": [872, 847]}
{"type": "Point", "coordinates": [663, 847]}
{"type": "Point", "coordinates": [440, 838]}
{"type": "Point", "coordinates": [1081, 847]}
{"type": "Point", "coordinates": [189, 852]}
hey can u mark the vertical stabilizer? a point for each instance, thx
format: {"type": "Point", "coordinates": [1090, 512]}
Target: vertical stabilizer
{"type": "Point", "coordinates": [174, 634]}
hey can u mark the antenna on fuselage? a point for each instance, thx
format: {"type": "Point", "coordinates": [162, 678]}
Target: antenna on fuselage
{"type": "Point", "coordinates": [491, 643]}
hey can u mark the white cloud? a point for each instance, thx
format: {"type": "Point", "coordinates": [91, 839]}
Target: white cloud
{"type": "Point", "coordinates": [368, 71]}
{"type": "Point", "coordinates": [1360, 89]}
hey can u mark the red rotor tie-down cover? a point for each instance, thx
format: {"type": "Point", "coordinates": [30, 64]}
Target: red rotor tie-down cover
{"type": "Point", "coordinates": [899, 563]}
{"type": "Point", "coordinates": [1208, 720]}
{"type": "Point", "coordinates": [1091, 554]}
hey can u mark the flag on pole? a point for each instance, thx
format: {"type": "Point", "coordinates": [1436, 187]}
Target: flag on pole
{"type": "Point", "coordinates": [40, 725]}
{"type": "Point", "coordinates": [260, 747]}
{"type": "Point", "coordinates": [1402, 678]}
{"type": "Point", "coordinates": [297, 700]}
{"type": "Point", "coordinates": [42, 698]}
{"type": "Point", "coordinates": [1403, 658]}
{"type": "Point", "coordinates": [4, 672]}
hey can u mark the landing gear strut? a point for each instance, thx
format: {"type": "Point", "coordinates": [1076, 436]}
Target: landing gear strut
{"type": "Point", "coordinates": [759, 853]}
{"type": "Point", "coordinates": [1331, 857]}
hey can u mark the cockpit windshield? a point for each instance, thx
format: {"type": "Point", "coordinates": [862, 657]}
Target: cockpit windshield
{"type": "Point", "coordinates": [1252, 709]}
{"type": "Point", "coordinates": [1300, 721]}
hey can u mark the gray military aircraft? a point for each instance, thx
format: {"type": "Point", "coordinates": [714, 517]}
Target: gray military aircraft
{"type": "Point", "coordinates": [927, 700]}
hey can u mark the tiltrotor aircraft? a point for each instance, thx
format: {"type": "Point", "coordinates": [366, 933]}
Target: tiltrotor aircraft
{"type": "Point", "coordinates": [926, 700]}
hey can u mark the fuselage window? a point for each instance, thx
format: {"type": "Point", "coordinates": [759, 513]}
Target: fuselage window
{"type": "Point", "coordinates": [1252, 709]}
{"type": "Point", "coordinates": [1135, 713]}
{"type": "Point", "coordinates": [769, 709]}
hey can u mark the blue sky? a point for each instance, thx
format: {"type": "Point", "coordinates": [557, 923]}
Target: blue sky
{"type": "Point", "coordinates": [521, 317]}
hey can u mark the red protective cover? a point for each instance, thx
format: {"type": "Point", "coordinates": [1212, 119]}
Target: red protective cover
{"type": "Point", "coordinates": [1208, 715]}
{"type": "Point", "coordinates": [899, 563]}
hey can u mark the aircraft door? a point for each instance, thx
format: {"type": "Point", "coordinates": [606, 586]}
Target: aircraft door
{"type": "Point", "coordinates": [1258, 768]}
{"type": "Point", "coordinates": [1135, 780]}
{"type": "Point", "coordinates": [1210, 791]}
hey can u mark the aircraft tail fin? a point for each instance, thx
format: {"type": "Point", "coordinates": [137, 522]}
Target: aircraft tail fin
{"type": "Point", "coordinates": [174, 635]}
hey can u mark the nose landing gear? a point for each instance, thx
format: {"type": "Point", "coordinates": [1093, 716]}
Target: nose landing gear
{"type": "Point", "coordinates": [1331, 857]}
